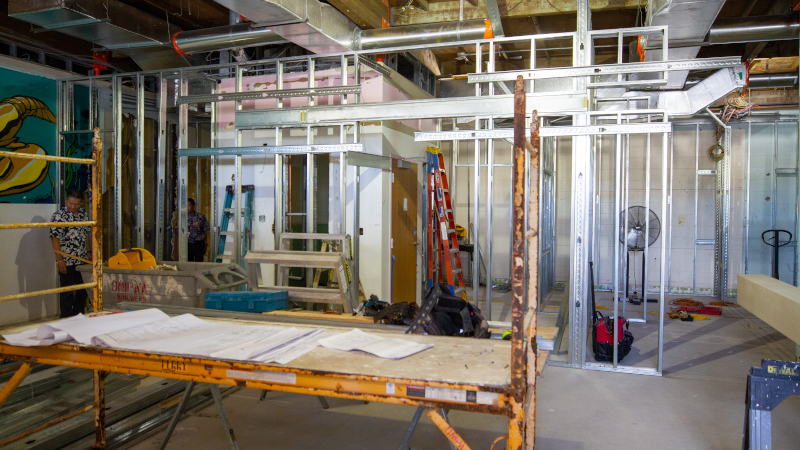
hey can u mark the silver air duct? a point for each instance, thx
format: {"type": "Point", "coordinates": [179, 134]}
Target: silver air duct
{"type": "Point", "coordinates": [223, 38]}
{"type": "Point", "coordinates": [429, 33]}
{"type": "Point", "coordinates": [753, 29]}
{"type": "Point", "coordinates": [775, 80]}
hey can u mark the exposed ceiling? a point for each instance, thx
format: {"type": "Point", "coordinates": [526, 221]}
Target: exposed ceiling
{"type": "Point", "coordinates": [518, 17]}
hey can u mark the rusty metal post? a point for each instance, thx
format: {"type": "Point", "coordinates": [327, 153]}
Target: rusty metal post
{"type": "Point", "coordinates": [533, 283]}
{"type": "Point", "coordinates": [97, 229]}
{"type": "Point", "coordinates": [100, 409]}
{"type": "Point", "coordinates": [445, 427]}
{"type": "Point", "coordinates": [518, 269]}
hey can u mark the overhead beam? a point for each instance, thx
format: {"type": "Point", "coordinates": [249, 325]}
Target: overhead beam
{"type": "Point", "coordinates": [187, 15]}
{"type": "Point", "coordinates": [448, 11]}
{"type": "Point", "coordinates": [365, 13]}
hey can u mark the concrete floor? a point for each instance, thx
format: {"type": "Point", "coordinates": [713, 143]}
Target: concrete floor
{"type": "Point", "coordinates": [697, 404]}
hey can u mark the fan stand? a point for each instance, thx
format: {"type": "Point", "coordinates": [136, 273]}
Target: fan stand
{"type": "Point", "coordinates": [634, 298]}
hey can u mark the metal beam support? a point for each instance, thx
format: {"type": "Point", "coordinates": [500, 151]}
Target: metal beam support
{"type": "Point", "coordinates": [117, 106]}
{"type": "Point", "coordinates": [581, 200]}
{"type": "Point", "coordinates": [582, 70]}
{"type": "Point", "coordinates": [497, 106]}
{"type": "Point", "coordinates": [213, 177]}
{"type": "Point", "coordinates": [258, 95]}
{"type": "Point", "coordinates": [139, 229]}
{"type": "Point", "coordinates": [274, 150]}
{"type": "Point", "coordinates": [476, 219]}
{"type": "Point", "coordinates": [311, 199]}
{"type": "Point", "coordinates": [161, 175]}
{"type": "Point", "coordinates": [494, 17]}
{"type": "Point", "coordinates": [236, 257]}
{"type": "Point", "coordinates": [183, 173]}
{"type": "Point", "coordinates": [576, 130]}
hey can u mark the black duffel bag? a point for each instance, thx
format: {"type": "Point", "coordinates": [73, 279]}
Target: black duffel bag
{"type": "Point", "coordinates": [454, 316]}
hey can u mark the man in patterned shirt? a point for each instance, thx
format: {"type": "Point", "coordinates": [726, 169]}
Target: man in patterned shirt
{"type": "Point", "coordinates": [72, 241]}
{"type": "Point", "coordinates": [198, 232]}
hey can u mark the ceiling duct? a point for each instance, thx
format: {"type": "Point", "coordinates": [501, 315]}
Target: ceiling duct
{"type": "Point", "coordinates": [687, 21]}
{"type": "Point", "coordinates": [106, 23]}
{"type": "Point", "coordinates": [429, 33]}
{"type": "Point", "coordinates": [315, 26]}
{"type": "Point", "coordinates": [223, 38]}
{"type": "Point", "coordinates": [772, 81]}
{"type": "Point", "coordinates": [702, 94]}
{"type": "Point", "coordinates": [753, 29]}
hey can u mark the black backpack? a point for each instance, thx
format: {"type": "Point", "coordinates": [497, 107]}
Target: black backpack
{"type": "Point", "coordinates": [453, 316]}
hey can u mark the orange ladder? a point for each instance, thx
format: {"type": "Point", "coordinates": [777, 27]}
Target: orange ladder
{"type": "Point", "coordinates": [444, 244]}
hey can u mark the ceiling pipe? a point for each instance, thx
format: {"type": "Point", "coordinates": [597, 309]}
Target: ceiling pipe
{"type": "Point", "coordinates": [766, 81]}
{"type": "Point", "coordinates": [753, 29]}
{"type": "Point", "coordinates": [223, 38]}
{"type": "Point", "coordinates": [429, 33]}
{"type": "Point", "coordinates": [774, 80]}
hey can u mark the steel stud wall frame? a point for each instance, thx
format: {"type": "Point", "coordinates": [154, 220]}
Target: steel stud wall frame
{"type": "Point", "coordinates": [487, 106]}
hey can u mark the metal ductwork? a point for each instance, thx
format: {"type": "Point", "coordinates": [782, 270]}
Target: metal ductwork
{"type": "Point", "coordinates": [702, 94]}
{"type": "Point", "coordinates": [106, 23]}
{"type": "Point", "coordinates": [321, 28]}
{"type": "Point", "coordinates": [223, 38]}
{"type": "Point", "coordinates": [775, 80]}
{"type": "Point", "coordinates": [429, 33]}
{"type": "Point", "coordinates": [315, 26]}
{"type": "Point", "coordinates": [688, 21]}
{"type": "Point", "coordinates": [753, 29]}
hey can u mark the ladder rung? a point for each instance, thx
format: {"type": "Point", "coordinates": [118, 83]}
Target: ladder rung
{"type": "Point", "coordinates": [457, 271]}
{"type": "Point", "coordinates": [454, 250]}
{"type": "Point", "coordinates": [229, 233]}
{"type": "Point", "coordinates": [459, 290]}
{"type": "Point", "coordinates": [451, 230]}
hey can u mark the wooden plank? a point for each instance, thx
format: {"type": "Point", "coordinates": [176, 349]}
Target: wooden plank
{"type": "Point", "coordinates": [773, 301]}
{"type": "Point", "coordinates": [321, 315]}
{"type": "Point", "coordinates": [775, 65]}
{"type": "Point", "coordinates": [294, 258]}
{"type": "Point", "coordinates": [541, 362]}
{"type": "Point", "coordinates": [314, 236]}
{"type": "Point", "coordinates": [303, 294]}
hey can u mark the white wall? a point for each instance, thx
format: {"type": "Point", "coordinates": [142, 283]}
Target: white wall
{"type": "Point", "coordinates": [28, 264]}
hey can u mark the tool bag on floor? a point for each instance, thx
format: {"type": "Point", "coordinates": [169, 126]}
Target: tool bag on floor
{"type": "Point", "coordinates": [453, 316]}
{"type": "Point", "coordinates": [603, 338]}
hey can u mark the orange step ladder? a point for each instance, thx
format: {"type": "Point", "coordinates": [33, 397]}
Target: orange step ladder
{"type": "Point", "coordinates": [442, 239]}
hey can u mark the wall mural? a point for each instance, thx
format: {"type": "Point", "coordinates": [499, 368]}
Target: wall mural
{"type": "Point", "coordinates": [27, 125]}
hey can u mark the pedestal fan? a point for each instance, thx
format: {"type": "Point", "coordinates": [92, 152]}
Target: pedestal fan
{"type": "Point", "coordinates": [639, 228]}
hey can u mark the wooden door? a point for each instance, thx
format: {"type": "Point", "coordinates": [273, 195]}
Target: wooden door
{"type": "Point", "coordinates": [404, 231]}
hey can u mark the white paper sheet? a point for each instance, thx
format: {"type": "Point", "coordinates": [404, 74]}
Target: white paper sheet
{"type": "Point", "coordinates": [188, 335]}
{"type": "Point", "coordinates": [84, 330]}
{"type": "Point", "coordinates": [295, 349]}
{"type": "Point", "coordinates": [152, 330]}
{"type": "Point", "coordinates": [30, 338]}
{"type": "Point", "coordinates": [378, 346]}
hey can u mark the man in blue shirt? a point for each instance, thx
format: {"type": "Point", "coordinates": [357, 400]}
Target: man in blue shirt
{"type": "Point", "coordinates": [72, 241]}
{"type": "Point", "coordinates": [198, 232]}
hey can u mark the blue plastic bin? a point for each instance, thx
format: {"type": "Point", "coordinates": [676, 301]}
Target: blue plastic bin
{"type": "Point", "coordinates": [256, 302]}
